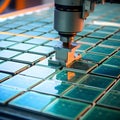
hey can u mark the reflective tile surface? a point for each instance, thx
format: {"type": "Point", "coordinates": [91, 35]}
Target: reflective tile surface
{"type": "Point", "coordinates": [31, 88]}
{"type": "Point", "coordinates": [7, 93]}
{"type": "Point", "coordinates": [38, 71]}
{"type": "Point", "coordinates": [102, 113]}
{"type": "Point", "coordinates": [32, 101]}
{"type": "Point", "coordinates": [52, 87]}
{"type": "Point", "coordinates": [81, 93]}
{"type": "Point", "coordinates": [74, 108]}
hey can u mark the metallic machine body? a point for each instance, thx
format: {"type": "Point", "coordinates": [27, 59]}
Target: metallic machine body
{"type": "Point", "coordinates": [69, 16]}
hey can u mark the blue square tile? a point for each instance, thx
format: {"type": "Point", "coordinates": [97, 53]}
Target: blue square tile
{"type": "Point", "coordinates": [16, 31]}
{"type": "Point", "coordinates": [50, 35]}
{"type": "Point", "coordinates": [4, 76]}
{"type": "Point", "coordinates": [36, 41]}
{"type": "Point", "coordinates": [28, 58]}
{"type": "Point", "coordinates": [7, 54]}
{"type": "Point", "coordinates": [7, 93]}
{"type": "Point", "coordinates": [21, 82]}
{"type": "Point", "coordinates": [12, 67]}
{"type": "Point", "coordinates": [53, 43]}
{"type": "Point", "coordinates": [21, 46]}
{"type": "Point", "coordinates": [43, 29]}
{"type": "Point", "coordinates": [4, 36]}
{"type": "Point", "coordinates": [32, 101]}
{"type": "Point", "coordinates": [39, 71]}
{"type": "Point", "coordinates": [5, 44]}
{"type": "Point", "coordinates": [43, 50]}
{"type": "Point", "coordinates": [53, 87]}
{"type": "Point", "coordinates": [33, 33]}
{"type": "Point", "coordinates": [18, 38]}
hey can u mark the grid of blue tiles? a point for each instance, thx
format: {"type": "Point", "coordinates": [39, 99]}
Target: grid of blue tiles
{"type": "Point", "coordinates": [30, 84]}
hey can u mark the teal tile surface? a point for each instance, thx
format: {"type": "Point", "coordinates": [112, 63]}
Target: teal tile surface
{"type": "Point", "coordinates": [97, 58]}
{"type": "Point", "coordinates": [113, 61]}
{"type": "Point", "coordinates": [115, 37]}
{"type": "Point", "coordinates": [68, 76]}
{"type": "Point", "coordinates": [86, 94]}
{"type": "Point", "coordinates": [84, 47]}
{"type": "Point", "coordinates": [92, 27]}
{"type": "Point", "coordinates": [109, 29]}
{"type": "Point", "coordinates": [117, 86]}
{"type": "Point", "coordinates": [65, 109]}
{"type": "Point", "coordinates": [83, 33]}
{"type": "Point", "coordinates": [52, 87]}
{"type": "Point", "coordinates": [99, 113]}
{"type": "Point", "coordinates": [96, 81]}
{"type": "Point", "coordinates": [21, 82]}
{"type": "Point", "coordinates": [83, 65]}
{"type": "Point", "coordinates": [12, 67]}
{"type": "Point", "coordinates": [102, 50]}
{"type": "Point", "coordinates": [7, 93]}
{"type": "Point", "coordinates": [111, 43]}
{"type": "Point", "coordinates": [117, 54]}
{"type": "Point", "coordinates": [99, 35]}
{"type": "Point", "coordinates": [107, 70]}
{"type": "Point", "coordinates": [111, 99]}
{"type": "Point", "coordinates": [39, 72]}
{"type": "Point", "coordinates": [90, 40]}
{"type": "Point", "coordinates": [32, 101]}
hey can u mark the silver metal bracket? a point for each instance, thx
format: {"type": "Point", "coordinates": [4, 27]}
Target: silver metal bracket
{"type": "Point", "coordinates": [65, 56]}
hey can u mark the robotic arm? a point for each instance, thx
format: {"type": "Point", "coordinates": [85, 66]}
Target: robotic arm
{"type": "Point", "coordinates": [69, 19]}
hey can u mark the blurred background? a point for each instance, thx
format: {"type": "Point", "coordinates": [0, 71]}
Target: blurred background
{"type": "Point", "coordinates": [21, 4]}
{"type": "Point", "coordinates": [12, 5]}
